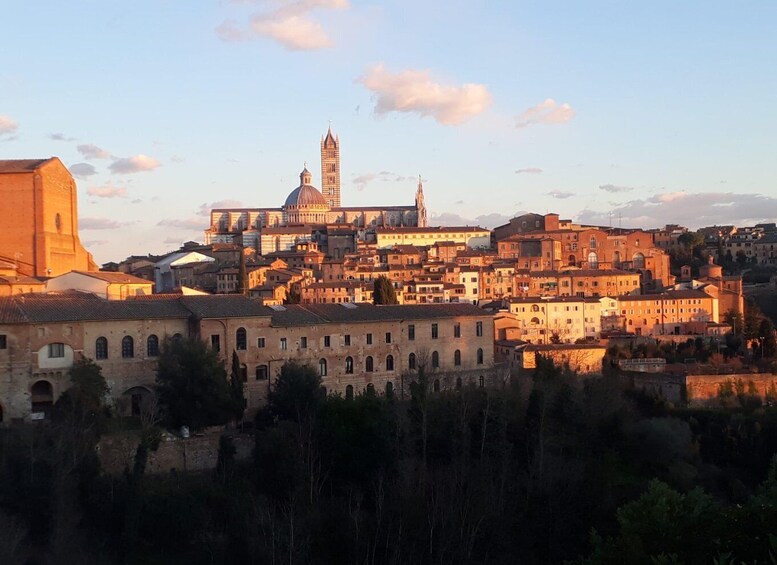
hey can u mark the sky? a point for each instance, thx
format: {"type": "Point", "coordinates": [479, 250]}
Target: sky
{"type": "Point", "coordinates": [623, 113]}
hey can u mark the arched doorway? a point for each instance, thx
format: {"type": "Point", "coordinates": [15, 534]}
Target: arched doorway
{"type": "Point", "coordinates": [42, 399]}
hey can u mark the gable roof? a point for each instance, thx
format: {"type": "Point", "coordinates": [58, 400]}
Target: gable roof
{"type": "Point", "coordinates": [21, 165]}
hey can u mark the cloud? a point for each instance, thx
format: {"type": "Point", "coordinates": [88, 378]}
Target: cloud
{"type": "Point", "coordinates": [94, 242]}
{"type": "Point", "coordinates": [173, 240]}
{"type": "Point", "coordinates": [8, 127]}
{"type": "Point", "coordinates": [546, 112]}
{"type": "Point", "coordinates": [560, 194]}
{"type": "Point", "coordinates": [690, 209]}
{"type": "Point", "coordinates": [193, 224]}
{"type": "Point", "coordinates": [204, 209]}
{"type": "Point", "coordinates": [91, 151]}
{"type": "Point", "coordinates": [416, 92]}
{"type": "Point", "coordinates": [107, 191]}
{"type": "Point", "coordinates": [60, 137]}
{"type": "Point", "coordinates": [361, 181]}
{"type": "Point", "coordinates": [82, 170]}
{"type": "Point", "coordinates": [529, 171]}
{"type": "Point", "coordinates": [615, 188]}
{"type": "Point", "coordinates": [99, 224]}
{"type": "Point", "coordinates": [177, 159]}
{"type": "Point", "coordinates": [290, 25]}
{"type": "Point", "coordinates": [485, 220]}
{"type": "Point", "coordinates": [136, 164]}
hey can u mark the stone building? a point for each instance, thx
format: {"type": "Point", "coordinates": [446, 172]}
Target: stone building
{"type": "Point", "coordinates": [40, 219]}
{"type": "Point", "coordinates": [354, 347]}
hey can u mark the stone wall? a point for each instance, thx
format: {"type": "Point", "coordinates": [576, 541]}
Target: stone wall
{"type": "Point", "coordinates": [704, 390]}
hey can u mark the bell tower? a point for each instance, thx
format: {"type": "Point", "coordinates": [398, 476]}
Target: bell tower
{"type": "Point", "coordinates": [330, 168]}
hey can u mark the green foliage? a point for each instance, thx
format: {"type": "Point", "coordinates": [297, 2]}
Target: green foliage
{"type": "Point", "coordinates": [296, 394]}
{"type": "Point", "coordinates": [292, 296]}
{"type": "Point", "coordinates": [383, 291]}
{"type": "Point", "coordinates": [192, 385]}
{"type": "Point", "coordinates": [236, 393]}
{"type": "Point", "coordinates": [242, 276]}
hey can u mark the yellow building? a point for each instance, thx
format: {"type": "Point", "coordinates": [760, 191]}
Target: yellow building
{"type": "Point", "coordinates": [671, 312]}
{"type": "Point", "coordinates": [472, 237]}
{"type": "Point", "coordinates": [548, 320]}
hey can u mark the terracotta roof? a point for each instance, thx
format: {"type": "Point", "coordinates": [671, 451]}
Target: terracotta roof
{"type": "Point", "coordinates": [113, 277]}
{"type": "Point", "coordinates": [305, 195]}
{"type": "Point", "coordinates": [435, 229]}
{"type": "Point", "coordinates": [37, 308]}
{"type": "Point", "coordinates": [21, 165]}
{"type": "Point", "coordinates": [309, 314]}
{"type": "Point", "coordinates": [669, 295]}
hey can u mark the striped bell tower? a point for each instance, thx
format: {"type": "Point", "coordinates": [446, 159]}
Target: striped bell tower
{"type": "Point", "coordinates": [330, 168]}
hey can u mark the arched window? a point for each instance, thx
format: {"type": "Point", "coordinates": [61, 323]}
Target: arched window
{"type": "Point", "coordinates": [480, 356]}
{"type": "Point", "coordinates": [592, 243]}
{"type": "Point", "coordinates": [535, 308]}
{"type": "Point", "coordinates": [390, 363]}
{"type": "Point", "coordinates": [349, 365]}
{"type": "Point", "coordinates": [593, 260]}
{"type": "Point", "coordinates": [411, 364]}
{"type": "Point", "coordinates": [371, 389]}
{"type": "Point", "coordinates": [322, 367]}
{"type": "Point", "coordinates": [127, 347]}
{"type": "Point", "coordinates": [177, 337]}
{"type": "Point", "coordinates": [482, 381]}
{"type": "Point", "coordinates": [571, 260]}
{"type": "Point", "coordinates": [535, 321]}
{"type": "Point", "coordinates": [616, 259]}
{"type": "Point", "coordinates": [368, 366]}
{"type": "Point", "coordinates": [638, 261]}
{"type": "Point", "coordinates": [457, 358]}
{"type": "Point", "coordinates": [436, 385]}
{"type": "Point", "coordinates": [101, 348]}
{"type": "Point", "coordinates": [152, 346]}
{"type": "Point", "coordinates": [262, 373]}
{"type": "Point", "coordinates": [241, 339]}
{"type": "Point", "coordinates": [435, 360]}
{"type": "Point", "coordinates": [458, 383]}
{"type": "Point", "coordinates": [42, 397]}
{"type": "Point", "coordinates": [389, 391]}
{"type": "Point", "coordinates": [349, 392]}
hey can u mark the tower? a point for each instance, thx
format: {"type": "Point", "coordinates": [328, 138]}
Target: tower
{"type": "Point", "coordinates": [330, 168]}
{"type": "Point", "coordinates": [420, 205]}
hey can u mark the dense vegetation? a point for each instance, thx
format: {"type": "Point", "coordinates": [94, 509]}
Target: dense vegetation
{"type": "Point", "coordinates": [548, 470]}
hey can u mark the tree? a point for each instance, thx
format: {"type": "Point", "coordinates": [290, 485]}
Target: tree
{"type": "Point", "coordinates": [296, 394]}
{"type": "Point", "coordinates": [766, 336]}
{"type": "Point", "coordinates": [236, 388]}
{"type": "Point", "coordinates": [242, 276]}
{"type": "Point", "coordinates": [192, 385]}
{"type": "Point", "coordinates": [383, 291]}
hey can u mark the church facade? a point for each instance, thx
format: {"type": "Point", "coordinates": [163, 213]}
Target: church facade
{"type": "Point", "coordinates": [308, 207]}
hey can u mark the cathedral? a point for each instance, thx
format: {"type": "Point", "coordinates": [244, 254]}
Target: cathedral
{"type": "Point", "coordinates": [308, 210]}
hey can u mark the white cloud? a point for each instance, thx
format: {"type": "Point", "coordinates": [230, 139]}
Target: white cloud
{"type": "Point", "coordinates": [204, 209]}
{"type": "Point", "coordinates": [91, 223]}
{"type": "Point", "coordinates": [416, 92]}
{"type": "Point", "coordinates": [107, 191]}
{"type": "Point", "coordinates": [529, 171]}
{"type": "Point", "coordinates": [94, 242]}
{"type": "Point", "coordinates": [361, 181]}
{"type": "Point", "coordinates": [615, 188]}
{"type": "Point", "coordinates": [291, 25]}
{"type": "Point", "coordinates": [136, 164]}
{"type": "Point", "coordinates": [60, 137]}
{"type": "Point", "coordinates": [82, 170]}
{"type": "Point", "coordinates": [489, 221]}
{"type": "Point", "coordinates": [546, 112]}
{"type": "Point", "coordinates": [8, 127]}
{"type": "Point", "coordinates": [91, 151]}
{"type": "Point", "coordinates": [194, 224]}
{"type": "Point", "coordinates": [560, 194]}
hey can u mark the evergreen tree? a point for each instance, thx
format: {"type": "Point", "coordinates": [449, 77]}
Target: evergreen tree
{"type": "Point", "coordinates": [236, 388]}
{"type": "Point", "coordinates": [242, 277]}
{"type": "Point", "coordinates": [383, 291]}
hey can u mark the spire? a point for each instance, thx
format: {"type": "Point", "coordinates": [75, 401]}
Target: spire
{"type": "Point", "coordinates": [330, 141]}
{"type": "Point", "coordinates": [420, 205]}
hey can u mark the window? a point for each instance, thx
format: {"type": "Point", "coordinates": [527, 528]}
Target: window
{"type": "Point", "coordinates": [349, 365]}
{"type": "Point", "coordinates": [457, 358]}
{"type": "Point", "coordinates": [327, 341]}
{"type": "Point", "coordinates": [349, 392]}
{"type": "Point", "coordinates": [260, 342]}
{"type": "Point", "coordinates": [435, 360]}
{"type": "Point", "coordinates": [262, 373]}
{"type": "Point", "coordinates": [480, 356]}
{"type": "Point", "coordinates": [434, 331]}
{"type": "Point", "coordinates": [368, 366]}
{"type": "Point", "coordinates": [388, 337]}
{"type": "Point", "coordinates": [215, 342]}
{"type": "Point", "coordinates": [369, 339]}
{"type": "Point", "coordinates": [3, 342]}
{"type": "Point", "coordinates": [322, 367]}
{"type": "Point", "coordinates": [389, 389]}
{"type": "Point", "coordinates": [482, 381]}
{"type": "Point", "coordinates": [411, 332]}
{"type": "Point", "coordinates": [244, 373]}
{"type": "Point", "coordinates": [101, 348]}
{"type": "Point", "coordinates": [411, 362]}
{"type": "Point", "coordinates": [638, 260]}
{"type": "Point", "coordinates": [347, 339]}
{"type": "Point", "coordinates": [457, 330]}
{"type": "Point", "coordinates": [240, 339]}
{"type": "Point", "coordinates": [152, 346]}
{"type": "Point", "coordinates": [284, 344]}
{"type": "Point", "coordinates": [436, 385]}
{"type": "Point", "coordinates": [390, 363]}
{"type": "Point", "coordinates": [479, 329]}
{"type": "Point", "coordinates": [127, 347]}
{"type": "Point", "coordinates": [303, 342]}
{"type": "Point", "coordinates": [56, 350]}
{"type": "Point", "coordinates": [593, 260]}
{"type": "Point", "coordinates": [458, 383]}
{"type": "Point", "coordinates": [177, 338]}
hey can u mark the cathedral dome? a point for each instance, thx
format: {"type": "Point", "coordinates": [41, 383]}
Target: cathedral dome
{"type": "Point", "coordinates": [304, 196]}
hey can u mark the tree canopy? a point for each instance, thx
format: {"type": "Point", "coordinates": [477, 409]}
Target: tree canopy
{"type": "Point", "coordinates": [383, 291]}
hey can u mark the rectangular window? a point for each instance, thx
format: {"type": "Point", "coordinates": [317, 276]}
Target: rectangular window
{"type": "Point", "coordinates": [388, 337]}
{"type": "Point", "coordinates": [215, 342]}
{"type": "Point", "coordinates": [262, 374]}
{"type": "Point", "coordinates": [435, 333]}
{"type": "Point", "coordinates": [284, 344]}
{"type": "Point", "coordinates": [479, 329]}
{"type": "Point", "coordinates": [411, 332]}
{"type": "Point", "coordinates": [56, 350]}
{"type": "Point", "coordinates": [347, 339]}
{"type": "Point", "coordinates": [369, 339]}
{"type": "Point", "coordinates": [260, 342]}
{"type": "Point", "coordinates": [3, 342]}
{"type": "Point", "coordinates": [303, 343]}
{"type": "Point", "coordinates": [327, 341]}
{"type": "Point", "coordinates": [457, 330]}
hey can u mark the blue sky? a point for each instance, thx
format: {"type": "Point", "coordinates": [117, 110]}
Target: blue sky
{"type": "Point", "coordinates": [654, 112]}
